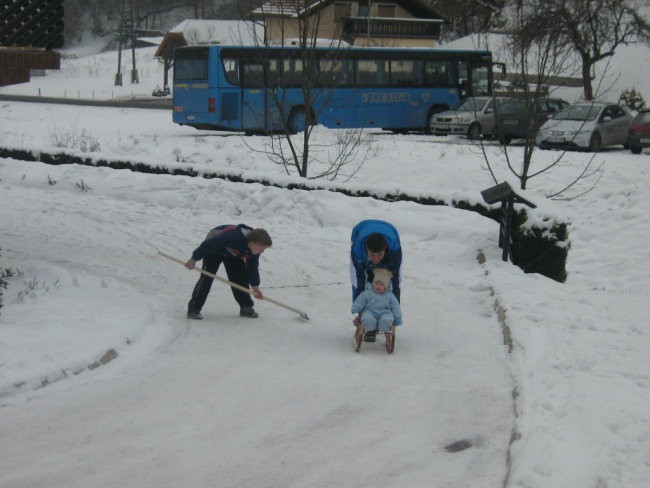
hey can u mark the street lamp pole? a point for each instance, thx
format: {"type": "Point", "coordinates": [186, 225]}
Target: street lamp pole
{"type": "Point", "coordinates": [368, 18]}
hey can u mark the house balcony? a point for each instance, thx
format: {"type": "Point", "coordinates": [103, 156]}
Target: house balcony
{"type": "Point", "coordinates": [355, 27]}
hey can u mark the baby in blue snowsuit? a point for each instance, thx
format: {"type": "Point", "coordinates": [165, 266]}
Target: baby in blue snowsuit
{"type": "Point", "coordinates": [378, 306]}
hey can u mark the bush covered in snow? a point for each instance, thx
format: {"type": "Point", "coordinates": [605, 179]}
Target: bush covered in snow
{"type": "Point", "coordinates": [632, 99]}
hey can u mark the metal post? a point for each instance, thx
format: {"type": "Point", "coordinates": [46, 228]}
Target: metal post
{"type": "Point", "coordinates": [368, 27]}
{"type": "Point", "coordinates": [508, 217]}
{"type": "Point", "coordinates": [134, 71]}
{"type": "Point", "coordinates": [118, 75]}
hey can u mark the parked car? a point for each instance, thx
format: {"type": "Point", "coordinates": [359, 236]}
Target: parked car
{"type": "Point", "coordinates": [473, 118]}
{"type": "Point", "coordinates": [586, 125]}
{"type": "Point", "coordinates": [638, 135]}
{"type": "Point", "coordinates": [513, 120]}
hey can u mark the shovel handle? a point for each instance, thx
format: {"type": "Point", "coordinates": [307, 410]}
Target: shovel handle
{"type": "Point", "coordinates": [235, 285]}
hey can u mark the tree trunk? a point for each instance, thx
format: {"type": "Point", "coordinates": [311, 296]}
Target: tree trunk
{"type": "Point", "coordinates": [586, 78]}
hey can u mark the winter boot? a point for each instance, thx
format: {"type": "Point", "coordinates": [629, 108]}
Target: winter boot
{"type": "Point", "coordinates": [370, 336]}
{"type": "Point", "coordinates": [248, 312]}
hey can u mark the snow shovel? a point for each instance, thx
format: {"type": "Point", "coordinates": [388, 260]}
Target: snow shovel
{"type": "Point", "coordinates": [302, 314]}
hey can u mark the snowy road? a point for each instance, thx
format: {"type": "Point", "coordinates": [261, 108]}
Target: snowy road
{"type": "Point", "coordinates": [231, 402]}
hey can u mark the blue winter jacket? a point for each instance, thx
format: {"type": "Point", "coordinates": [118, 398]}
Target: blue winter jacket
{"type": "Point", "coordinates": [229, 242]}
{"type": "Point", "coordinates": [378, 304]}
{"type": "Point", "coordinates": [362, 270]}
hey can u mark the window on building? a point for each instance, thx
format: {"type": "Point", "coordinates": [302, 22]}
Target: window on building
{"type": "Point", "coordinates": [386, 10]}
{"type": "Point", "coordinates": [364, 9]}
{"type": "Point", "coordinates": [341, 11]}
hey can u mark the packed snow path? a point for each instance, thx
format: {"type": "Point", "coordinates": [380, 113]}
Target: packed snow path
{"type": "Point", "coordinates": [234, 402]}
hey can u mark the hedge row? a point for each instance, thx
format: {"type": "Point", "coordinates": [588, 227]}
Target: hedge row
{"type": "Point", "coordinates": [535, 250]}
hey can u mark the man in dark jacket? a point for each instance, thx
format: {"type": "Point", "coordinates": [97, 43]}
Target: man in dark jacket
{"type": "Point", "coordinates": [239, 248]}
{"type": "Point", "coordinates": [375, 244]}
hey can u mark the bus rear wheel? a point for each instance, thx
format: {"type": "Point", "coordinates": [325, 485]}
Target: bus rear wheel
{"type": "Point", "coordinates": [298, 120]}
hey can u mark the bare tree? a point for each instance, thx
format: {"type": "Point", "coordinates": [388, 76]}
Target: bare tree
{"type": "Point", "coordinates": [593, 28]}
{"type": "Point", "coordinates": [234, 9]}
{"type": "Point", "coordinates": [539, 57]}
{"type": "Point", "coordinates": [315, 75]}
{"type": "Point", "coordinates": [468, 16]}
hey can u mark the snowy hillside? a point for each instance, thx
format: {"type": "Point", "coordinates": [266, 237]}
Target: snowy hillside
{"type": "Point", "coordinates": [498, 379]}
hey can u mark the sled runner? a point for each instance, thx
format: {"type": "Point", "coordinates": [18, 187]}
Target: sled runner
{"type": "Point", "coordinates": [360, 332]}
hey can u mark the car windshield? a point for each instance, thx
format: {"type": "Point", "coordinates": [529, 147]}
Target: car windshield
{"type": "Point", "coordinates": [473, 105]}
{"type": "Point", "coordinates": [579, 112]}
{"type": "Point", "coordinates": [642, 118]}
{"type": "Point", "coordinates": [512, 108]}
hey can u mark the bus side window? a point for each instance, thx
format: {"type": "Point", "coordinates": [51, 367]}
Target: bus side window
{"type": "Point", "coordinates": [292, 72]}
{"type": "Point", "coordinates": [274, 72]}
{"type": "Point", "coordinates": [253, 75]}
{"type": "Point", "coordinates": [231, 69]}
{"type": "Point", "coordinates": [365, 73]}
{"type": "Point", "coordinates": [406, 73]}
{"type": "Point", "coordinates": [437, 73]}
{"type": "Point", "coordinates": [372, 72]}
{"type": "Point", "coordinates": [335, 72]}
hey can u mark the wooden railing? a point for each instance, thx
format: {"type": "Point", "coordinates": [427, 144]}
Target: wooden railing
{"type": "Point", "coordinates": [382, 27]}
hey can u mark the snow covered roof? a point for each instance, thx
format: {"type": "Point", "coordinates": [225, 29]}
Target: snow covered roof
{"type": "Point", "coordinates": [192, 31]}
{"type": "Point", "coordinates": [296, 8]}
{"type": "Point", "coordinates": [219, 32]}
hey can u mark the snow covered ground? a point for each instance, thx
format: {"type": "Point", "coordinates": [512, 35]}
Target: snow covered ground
{"type": "Point", "coordinates": [104, 382]}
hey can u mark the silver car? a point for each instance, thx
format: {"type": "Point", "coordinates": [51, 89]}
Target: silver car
{"type": "Point", "coordinates": [474, 117]}
{"type": "Point", "coordinates": [586, 125]}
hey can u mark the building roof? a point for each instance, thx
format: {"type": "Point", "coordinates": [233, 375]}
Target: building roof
{"type": "Point", "coordinates": [193, 31]}
{"type": "Point", "coordinates": [296, 8]}
{"type": "Point", "coordinates": [235, 32]}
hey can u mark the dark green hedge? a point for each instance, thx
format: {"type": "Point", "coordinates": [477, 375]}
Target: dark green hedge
{"type": "Point", "coordinates": [532, 249]}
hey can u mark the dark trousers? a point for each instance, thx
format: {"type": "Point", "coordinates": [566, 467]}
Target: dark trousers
{"type": "Point", "coordinates": [236, 271]}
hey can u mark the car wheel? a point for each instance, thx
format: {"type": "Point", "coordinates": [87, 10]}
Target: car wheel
{"type": "Point", "coordinates": [636, 149]}
{"type": "Point", "coordinates": [474, 131]}
{"type": "Point", "coordinates": [595, 143]}
{"type": "Point", "coordinates": [505, 140]}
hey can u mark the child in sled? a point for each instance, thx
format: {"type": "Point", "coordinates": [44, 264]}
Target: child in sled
{"type": "Point", "coordinates": [377, 306]}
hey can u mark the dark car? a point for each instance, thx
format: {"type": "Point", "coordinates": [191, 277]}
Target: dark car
{"type": "Point", "coordinates": [638, 135]}
{"type": "Point", "coordinates": [518, 119]}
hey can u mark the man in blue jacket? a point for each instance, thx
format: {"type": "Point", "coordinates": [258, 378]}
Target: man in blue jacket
{"type": "Point", "coordinates": [375, 244]}
{"type": "Point", "coordinates": [239, 248]}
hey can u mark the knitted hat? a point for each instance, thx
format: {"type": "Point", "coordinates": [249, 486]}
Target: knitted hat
{"type": "Point", "coordinates": [383, 276]}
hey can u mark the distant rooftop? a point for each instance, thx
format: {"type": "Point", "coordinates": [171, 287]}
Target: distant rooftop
{"type": "Point", "coordinates": [235, 32]}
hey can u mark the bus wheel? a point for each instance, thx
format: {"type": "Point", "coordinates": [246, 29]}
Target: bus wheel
{"type": "Point", "coordinates": [298, 120]}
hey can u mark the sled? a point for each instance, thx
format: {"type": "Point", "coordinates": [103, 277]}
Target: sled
{"type": "Point", "coordinates": [360, 332]}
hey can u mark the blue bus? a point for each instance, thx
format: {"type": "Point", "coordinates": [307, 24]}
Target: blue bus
{"type": "Point", "coordinates": [274, 89]}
